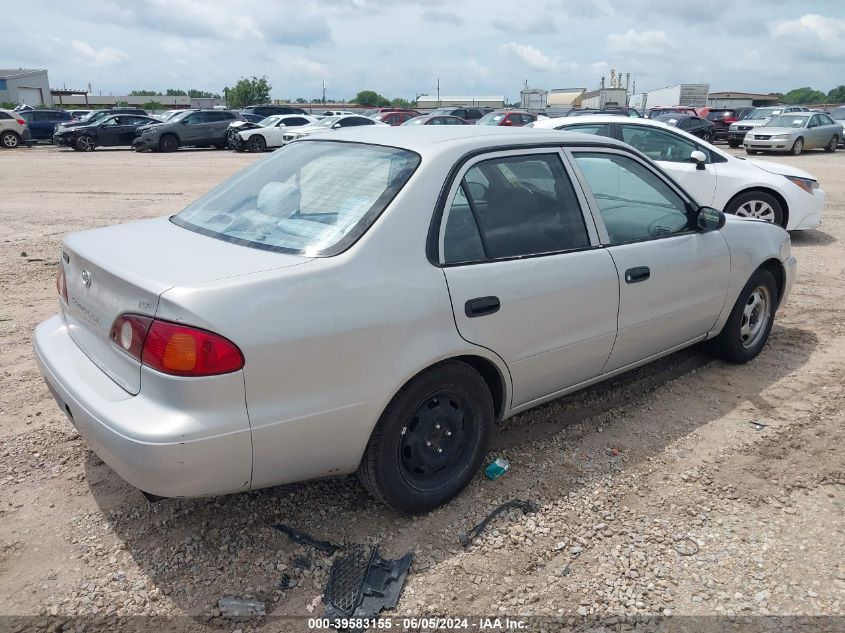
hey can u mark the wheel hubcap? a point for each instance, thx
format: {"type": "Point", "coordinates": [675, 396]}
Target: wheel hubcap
{"type": "Point", "coordinates": [434, 440]}
{"type": "Point", "coordinates": [755, 317]}
{"type": "Point", "coordinates": [757, 209]}
{"type": "Point", "coordinates": [10, 141]}
{"type": "Point", "coordinates": [799, 145]}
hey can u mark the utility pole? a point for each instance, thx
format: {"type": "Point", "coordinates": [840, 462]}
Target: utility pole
{"type": "Point", "coordinates": [324, 92]}
{"type": "Point", "coordinates": [438, 92]}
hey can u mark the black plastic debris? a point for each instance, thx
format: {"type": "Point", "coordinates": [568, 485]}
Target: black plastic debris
{"type": "Point", "coordinates": [758, 426]}
{"type": "Point", "coordinates": [287, 582]}
{"type": "Point", "coordinates": [304, 538]}
{"type": "Point", "coordinates": [362, 584]}
{"type": "Point", "coordinates": [527, 507]}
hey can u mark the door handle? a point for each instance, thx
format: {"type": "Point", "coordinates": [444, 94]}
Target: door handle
{"type": "Point", "coordinates": [482, 306]}
{"type": "Point", "coordinates": [636, 275]}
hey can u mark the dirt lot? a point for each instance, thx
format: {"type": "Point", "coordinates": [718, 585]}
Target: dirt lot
{"type": "Point", "coordinates": [631, 477]}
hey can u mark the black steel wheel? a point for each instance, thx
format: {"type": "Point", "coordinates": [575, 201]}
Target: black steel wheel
{"type": "Point", "coordinates": [431, 439]}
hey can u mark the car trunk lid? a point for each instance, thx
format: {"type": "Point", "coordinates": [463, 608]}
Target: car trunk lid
{"type": "Point", "coordinates": [125, 269]}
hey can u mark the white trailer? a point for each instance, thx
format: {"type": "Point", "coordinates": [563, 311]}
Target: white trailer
{"type": "Point", "coordinates": [692, 95]}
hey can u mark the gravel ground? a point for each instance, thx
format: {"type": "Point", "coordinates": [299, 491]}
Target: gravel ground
{"type": "Point", "coordinates": [688, 487]}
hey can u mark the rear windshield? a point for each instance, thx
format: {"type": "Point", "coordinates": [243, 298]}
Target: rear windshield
{"type": "Point", "coordinates": [720, 114]}
{"type": "Point", "coordinates": [312, 198]}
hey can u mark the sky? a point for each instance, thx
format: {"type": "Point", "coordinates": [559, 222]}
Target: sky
{"type": "Point", "coordinates": [400, 48]}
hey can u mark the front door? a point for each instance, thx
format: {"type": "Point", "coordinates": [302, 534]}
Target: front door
{"type": "Point", "coordinates": [109, 131]}
{"type": "Point", "coordinates": [673, 277]}
{"type": "Point", "coordinates": [672, 152]}
{"type": "Point", "coordinates": [525, 274]}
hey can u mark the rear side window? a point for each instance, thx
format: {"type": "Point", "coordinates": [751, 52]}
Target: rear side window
{"type": "Point", "coordinates": [516, 206]}
{"type": "Point", "coordinates": [599, 129]}
{"type": "Point", "coordinates": [658, 144]}
{"type": "Point", "coordinates": [3, 115]}
{"type": "Point", "coordinates": [313, 198]}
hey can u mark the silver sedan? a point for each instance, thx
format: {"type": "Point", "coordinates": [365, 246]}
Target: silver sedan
{"type": "Point", "coordinates": [376, 300]}
{"type": "Point", "coordinates": [794, 132]}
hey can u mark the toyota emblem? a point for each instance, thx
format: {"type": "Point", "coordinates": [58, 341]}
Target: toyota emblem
{"type": "Point", "coordinates": [86, 278]}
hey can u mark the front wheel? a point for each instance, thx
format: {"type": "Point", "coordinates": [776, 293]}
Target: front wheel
{"type": "Point", "coordinates": [797, 146]}
{"type": "Point", "coordinates": [834, 143]}
{"type": "Point", "coordinates": [733, 144]}
{"type": "Point", "coordinates": [257, 143]}
{"type": "Point", "coordinates": [168, 143]}
{"type": "Point", "coordinates": [748, 327]}
{"type": "Point", "coordinates": [431, 439]}
{"type": "Point", "coordinates": [86, 143]}
{"type": "Point", "coordinates": [757, 205]}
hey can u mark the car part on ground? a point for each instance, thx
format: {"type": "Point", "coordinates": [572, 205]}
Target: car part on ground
{"type": "Point", "coordinates": [527, 507]}
{"type": "Point", "coordinates": [304, 538]}
{"type": "Point", "coordinates": [362, 584]}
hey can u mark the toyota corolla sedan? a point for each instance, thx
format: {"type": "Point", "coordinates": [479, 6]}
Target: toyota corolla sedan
{"type": "Point", "coordinates": [376, 300]}
{"type": "Point", "coordinates": [761, 190]}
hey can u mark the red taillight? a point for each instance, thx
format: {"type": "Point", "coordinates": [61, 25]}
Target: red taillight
{"type": "Point", "coordinates": [178, 350]}
{"type": "Point", "coordinates": [20, 121]}
{"type": "Point", "coordinates": [730, 120]}
{"type": "Point", "coordinates": [61, 282]}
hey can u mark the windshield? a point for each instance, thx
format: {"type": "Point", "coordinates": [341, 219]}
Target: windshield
{"type": "Point", "coordinates": [310, 198]}
{"type": "Point", "coordinates": [491, 119]}
{"type": "Point", "coordinates": [788, 120]}
{"type": "Point", "coordinates": [670, 119]}
{"type": "Point", "coordinates": [838, 114]}
{"type": "Point", "coordinates": [764, 113]}
{"type": "Point", "coordinates": [326, 122]}
{"type": "Point", "coordinates": [417, 120]}
{"type": "Point", "coordinates": [270, 121]}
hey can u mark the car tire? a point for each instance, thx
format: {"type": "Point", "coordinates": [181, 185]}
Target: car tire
{"type": "Point", "coordinates": [168, 143]}
{"type": "Point", "coordinates": [750, 151]}
{"type": "Point", "coordinates": [9, 139]}
{"type": "Point", "coordinates": [257, 143]}
{"type": "Point", "coordinates": [758, 205]}
{"type": "Point", "coordinates": [733, 144]}
{"type": "Point", "coordinates": [85, 143]}
{"type": "Point", "coordinates": [431, 439]}
{"type": "Point", "coordinates": [834, 143]}
{"type": "Point", "coordinates": [747, 329]}
{"type": "Point", "coordinates": [797, 147]}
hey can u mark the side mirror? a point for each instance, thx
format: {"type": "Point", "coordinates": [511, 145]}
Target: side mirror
{"type": "Point", "coordinates": [710, 219]}
{"type": "Point", "coordinates": [699, 158]}
{"type": "Point", "coordinates": [336, 126]}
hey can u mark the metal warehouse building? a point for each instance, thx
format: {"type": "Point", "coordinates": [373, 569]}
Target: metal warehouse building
{"type": "Point", "coordinates": [495, 101]}
{"type": "Point", "coordinates": [24, 85]}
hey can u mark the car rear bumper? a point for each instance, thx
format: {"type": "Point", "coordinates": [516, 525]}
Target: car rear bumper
{"type": "Point", "coordinates": [162, 449]}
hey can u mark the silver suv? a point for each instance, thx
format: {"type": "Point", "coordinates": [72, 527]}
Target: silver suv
{"type": "Point", "coordinates": [13, 129]}
{"type": "Point", "coordinates": [198, 128]}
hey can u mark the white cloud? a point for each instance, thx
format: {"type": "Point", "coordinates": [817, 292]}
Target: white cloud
{"type": "Point", "coordinates": [300, 66]}
{"type": "Point", "coordinates": [642, 43]}
{"type": "Point", "coordinates": [815, 35]}
{"type": "Point", "coordinates": [535, 58]}
{"type": "Point", "coordinates": [106, 56]}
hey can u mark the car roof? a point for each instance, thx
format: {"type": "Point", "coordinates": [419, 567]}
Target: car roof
{"type": "Point", "coordinates": [431, 140]}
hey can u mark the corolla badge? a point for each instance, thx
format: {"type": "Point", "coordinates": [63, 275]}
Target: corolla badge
{"type": "Point", "coordinates": [86, 278]}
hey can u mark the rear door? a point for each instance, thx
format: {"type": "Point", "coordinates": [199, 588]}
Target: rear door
{"type": "Point", "coordinates": [673, 278]}
{"type": "Point", "coordinates": [525, 274]}
{"type": "Point", "coordinates": [672, 152]}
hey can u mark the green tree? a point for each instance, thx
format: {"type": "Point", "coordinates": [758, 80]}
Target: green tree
{"type": "Point", "coordinates": [804, 95]}
{"type": "Point", "coordinates": [175, 92]}
{"type": "Point", "coordinates": [370, 98]}
{"type": "Point", "coordinates": [122, 104]}
{"type": "Point", "coordinates": [153, 105]}
{"type": "Point", "coordinates": [202, 94]}
{"type": "Point", "coordinates": [248, 92]}
{"type": "Point", "coordinates": [399, 102]}
{"type": "Point", "coordinates": [300, 100]}
{"type": "Point", "coordinates": [144, 93]}
{"type": "Point", "coordinates": [7, 105]}
{"type": "Point", "coordinates": [837, 95]}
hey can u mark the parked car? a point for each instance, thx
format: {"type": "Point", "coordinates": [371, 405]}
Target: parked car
{"type": "Point", "coordinates": [98, 115]}
{"type": "Point", "coordinates": [756, 118]}
{"type": "Point", "coordinates": [436, 119]}
{"type": "Point", "coordinates": [653, 113]}
{"type": "Point", "coordinates": [270, 131]}
{"type": "Point", "coordinates": [618, 111]}
{"type": "Point", "coordinates": [702, 128]}
{"type": "Point", "coordinates": [266, 110]}
{"type": "Point", "coordinates": [252, 118]}
{"type": "Point", "coordinates": [467, 113]}
{"type": "Point", "coordinates": [507, 118]}
{"type": "Point", "coordinates": [329, 123]}
{"type": "Point", "coordinates": [326, 113]}
{"type": "Point", "coordinates": [795, 132]}
{"type": "Point", "coordinates": [13, 129]}
{"type": "Point", "coordinates": [780, 194]}
{"type": "Point", "coordinates": [197, 128]}
{"type": "Point", "coordinates": [111, 131]}
{"type": "Point", "coordinates": [722, 119]}
{"type": "Point", "coordinates": [42, 123]}
{"type": "Point", "coordinates": [230, 357]}
{"type": "Point", "coordinates": [79, 114]}
{"type": "Point", "coordinates": [395, 117]}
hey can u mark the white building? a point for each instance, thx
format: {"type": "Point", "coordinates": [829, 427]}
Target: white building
{"type": "Point", "coordinates": [691, 95]}
{"type": "Point", "coordinates": [604, 97]}
{"type": "Point", "coordinates": [29, 86]}
{"type": "Point", "coordinates": [426, 101]}
{"type": "Point", "coordinates": [533, 98]}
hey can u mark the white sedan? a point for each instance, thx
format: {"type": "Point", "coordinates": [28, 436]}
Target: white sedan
{"type": "Point", "coordinates": [369, 301]}
{"type": "Point", "coordinates": [750, 188]}
{"type": "Point", "coordinates": [331, 123]}
{"type": "Point", "coordinates": [271, 131]}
